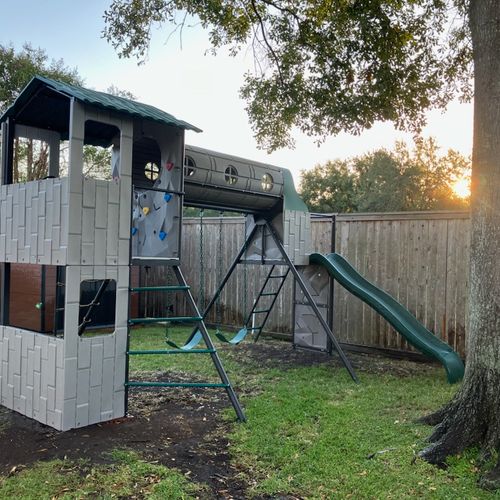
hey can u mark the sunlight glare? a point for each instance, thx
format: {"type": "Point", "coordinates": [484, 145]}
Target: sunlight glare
{"type": "Point", "coordinates": [461, 187]}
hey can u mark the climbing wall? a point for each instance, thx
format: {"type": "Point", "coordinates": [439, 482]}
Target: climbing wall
{"type": "Point", "coordinates": [155, 220]}
{"type": "Point", "coordinates": [157, 202]}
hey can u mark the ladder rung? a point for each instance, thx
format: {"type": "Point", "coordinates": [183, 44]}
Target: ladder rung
{"type": "Point", "coordinates": [268, 294]}
{"type": "Point", "coordinates": [261, 311]}
{"type": "Point", "coordinates": [174, 288]}
{"type": "Point", "coordinates": [255, 328]}
{"type": "Point", "coordinates": [171, 351]}
{"type": "Point", "coordinates": [175, 384]}
{"type": "Point", "coordinates": [173, 319]}
{"type": "Point", "coordinates": [278, 276]}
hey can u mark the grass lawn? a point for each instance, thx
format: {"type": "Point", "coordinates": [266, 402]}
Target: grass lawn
{"type": "Point", "coordinates": [311, 432]}
{"type": "Point", "coordinates": [127, 477]}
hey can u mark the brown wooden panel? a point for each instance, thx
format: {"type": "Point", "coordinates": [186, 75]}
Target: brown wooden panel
{"type": "Point", "coordinates": [25, 293]}
{"type": "Point", "coordinates": [419, 258]}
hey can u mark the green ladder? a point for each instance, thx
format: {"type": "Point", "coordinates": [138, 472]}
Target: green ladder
{"type": "Point", "coordinates": [210, 347]}
{"type": "Point", "coordinates": [266, 293]}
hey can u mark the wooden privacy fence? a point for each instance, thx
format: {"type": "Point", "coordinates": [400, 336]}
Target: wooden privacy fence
{"type": "Point", "coordinates": [420, 258]}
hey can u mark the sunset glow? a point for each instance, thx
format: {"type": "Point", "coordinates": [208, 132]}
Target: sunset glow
{"type": "Point", "coordinates": [461, 187]}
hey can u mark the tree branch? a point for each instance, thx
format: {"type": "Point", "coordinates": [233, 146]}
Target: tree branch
{"type": "Point", "coordinates": [283, 9]}
{"type": "Point", "coordinates": [266, 41]}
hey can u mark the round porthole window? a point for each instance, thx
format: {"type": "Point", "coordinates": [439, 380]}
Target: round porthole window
{"type": "Point", "coordinates": [231, 176]}
{"type": "Point", "coordinates": [151, 171]}
{"type": "Point", "coordinates": [189, 166]}
{"type": "Point", "coordinates": [267, 182]}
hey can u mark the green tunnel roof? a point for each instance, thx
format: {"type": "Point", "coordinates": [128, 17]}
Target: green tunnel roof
{"type": "Point", "coordinates": [95, 98]}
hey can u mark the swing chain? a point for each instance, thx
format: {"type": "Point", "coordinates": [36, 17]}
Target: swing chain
{"type": "Point", "coordinates": [245, 278]}
{"type": "Point", "coordinates": [202, 266]}
{"type": "Point", "coordinates": [169, 309]}
{"type": "Point", "coordinates": [220, 263]}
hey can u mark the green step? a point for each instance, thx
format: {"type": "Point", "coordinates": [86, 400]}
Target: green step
{"type": "Point", "coordinates": [174, 319]}
{"type": "Point", "coordinates": [278, 276]}
{"type": "Point", "coordinates": [268, 294]}
{"type": "Point", "coordinates": [175, 384]}
{"type": "Point", "coordinates": [171, 351]}
{"type": "Point", "coordinates": [255, 328]}
{"type": "Point", "coordinates": [173, 288]}
{"type": "Point", "coordinates": [261, 311]}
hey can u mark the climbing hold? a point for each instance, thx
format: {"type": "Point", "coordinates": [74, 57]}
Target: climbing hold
{"type": "Point", "coordinates": [134, 230]}
{"type": "Point", "coordinates": [39, 305]}
{"type": "Point", "coordinates": [167, 197]}
{"type": "Point", "coordinates": [162, 235]}
{"type": "Point", "coordinates": [169, 165]}
{"type": "Point", "coordinates": [145, 210]}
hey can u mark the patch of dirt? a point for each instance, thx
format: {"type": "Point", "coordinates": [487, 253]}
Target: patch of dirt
{"type": "Point", "coordinates": [279, 354]}
{"type": "Point", "coordinates": [179, 428]}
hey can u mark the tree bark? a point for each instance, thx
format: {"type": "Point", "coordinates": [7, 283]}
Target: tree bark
{"type": "Point", "coordinates": [15, 165]}
{"type": "Point", "coordinates": [29, 161]}
{"type": "Point", "coordinates": [473, 417]}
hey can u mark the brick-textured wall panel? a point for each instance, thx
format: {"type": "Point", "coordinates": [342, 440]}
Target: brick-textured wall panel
{"type": "Point", "coordinates": [32, 222]}
{"type": "Point", "coordinates": [94, 366]}
{"type": "Point", "coordinates": [72, 381]}
{"type": "Point", "coordinates": [31, 377]}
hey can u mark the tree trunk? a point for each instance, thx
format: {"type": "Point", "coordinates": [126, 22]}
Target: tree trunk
{"type": "Point", "coordinates": [41, 164]}
{"type": "Point", "coordinates": [473, 417]}
{"type": "Point", "coordinates": [29, 160]}
{"type": "Point", "coordinates": [15, 166]}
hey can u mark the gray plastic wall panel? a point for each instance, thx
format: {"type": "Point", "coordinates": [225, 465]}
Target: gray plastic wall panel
{"type": "Point", "coordinates": [297, 236]}
{"type": "Point", "coordinates": [308, 331]}
{"type": "Point", "coordinates": [32, 375]}
{"type": "Point", "coordinates": [33, 222]}
{"type": "Point", "coordinates": [74, 381]}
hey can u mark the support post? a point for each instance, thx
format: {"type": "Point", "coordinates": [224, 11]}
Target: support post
{"type": "Point", "coordinates": [4, 293]}
{"type": "Point", "coordinates": [230, 271]}
{"type": "Point", "coordinates": [313, 305]}
{"type": "Point", "coordinates": [331, 305]}
{"type": "Point", "coordinates": [213, 352]}
{"type": "Point", "coordinates": [8, 129]}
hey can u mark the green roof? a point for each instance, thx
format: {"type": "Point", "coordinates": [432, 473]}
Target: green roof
{"type": "Point", "coordinates": [98, 99]}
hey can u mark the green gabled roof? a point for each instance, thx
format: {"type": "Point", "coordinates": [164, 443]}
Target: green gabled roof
{"type": "Point", "coordinates": [98, 99]}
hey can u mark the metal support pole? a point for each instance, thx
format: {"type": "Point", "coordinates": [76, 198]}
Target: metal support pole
{"type": "Point", "coordinates": [4, 293]}
{"type": "Point", "coordinates": [307, 294]}
{"type": "Point", "coordinates": [213, 352]}
{"type": "Point", "coordinates": [331, 305]}
{"type": "Point", "coordinates": [283, 279]}
{"type": "Point", "coordinates": [230, 271]}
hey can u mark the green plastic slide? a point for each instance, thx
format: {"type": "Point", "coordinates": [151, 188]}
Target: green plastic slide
{"type": "Point", "coordinates": [398, 316]}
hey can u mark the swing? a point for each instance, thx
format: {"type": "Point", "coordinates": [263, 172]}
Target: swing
{"type": "Point", "coordinates": [197, 337]}
{"type": "Point", "coordinates": [242, 333]}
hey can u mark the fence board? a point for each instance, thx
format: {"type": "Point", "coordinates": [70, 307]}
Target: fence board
{"type": "Point", "coordinates": [419, 258]}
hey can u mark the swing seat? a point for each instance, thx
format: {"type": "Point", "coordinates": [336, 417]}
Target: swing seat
{"type": "Point", "coordinates": [195, 340]}
{"type": "Point", "coordinates": [236, 339]}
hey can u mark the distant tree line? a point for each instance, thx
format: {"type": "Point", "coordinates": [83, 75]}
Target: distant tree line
{"type": "Point", "coordinates": [388, 181]}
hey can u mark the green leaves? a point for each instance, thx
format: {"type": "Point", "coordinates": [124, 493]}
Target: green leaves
{"type": "Point", "coordinates": [388, 181]}
{"type": "Point", "coordinates": [325, 66]}
{"type": "Point", "coordinates": [18, 68]}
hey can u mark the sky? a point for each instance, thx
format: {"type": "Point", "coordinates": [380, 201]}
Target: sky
{"type": "Point", "coordinates": [183, 80]}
